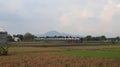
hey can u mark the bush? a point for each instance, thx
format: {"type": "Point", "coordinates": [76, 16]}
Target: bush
{"type": "Point", "coordinates": [3, 50]}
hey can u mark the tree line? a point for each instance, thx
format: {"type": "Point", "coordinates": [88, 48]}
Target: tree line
{"type": "Point", "coordinates": [31, 37]}
{"type": "Point", "coordinates": [25, 37]}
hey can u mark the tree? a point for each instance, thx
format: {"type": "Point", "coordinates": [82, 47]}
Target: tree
{"type": "Point", "coordinates": [103, 38]}
{"type": "Point", "coordinates": [28, 37]}
{"type": "Point", "coordinates": [20, 36]}
{"type": "Point", "coordinates": [113, 41]}
{"type": "Point", "coordinates": [118, 38]}
{"type": "Point", "coordinates": [88, 38]}
{"type": "Point", "coordinates": [81, 40]}
{"type": "Point", "coordinates": [9, 38]}
{"type": "Point", "coordinates": [47, 36]}
{"type": "Point", "coordinates": [96, 38]}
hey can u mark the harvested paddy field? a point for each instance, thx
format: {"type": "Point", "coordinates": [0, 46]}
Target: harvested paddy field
{"type": "Point", "coordinates": [61, 57]}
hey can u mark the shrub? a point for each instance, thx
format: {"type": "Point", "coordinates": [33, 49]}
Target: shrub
{"type": "Point", "coordinates": [3, 50]}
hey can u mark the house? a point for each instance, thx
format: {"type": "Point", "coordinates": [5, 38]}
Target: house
{"type": "Point", "coordinates": [59, 39]}
{"type": "Point", "coordinates": [16, 39]}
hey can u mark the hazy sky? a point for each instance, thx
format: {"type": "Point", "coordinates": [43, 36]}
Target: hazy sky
{"type": "Point", "coordinates": [85, 17]}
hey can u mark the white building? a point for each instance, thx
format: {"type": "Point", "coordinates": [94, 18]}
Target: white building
{"type": "Point", "coordinates": [16, 39]}
{"type": "Point", "coordinates": [59, 39]}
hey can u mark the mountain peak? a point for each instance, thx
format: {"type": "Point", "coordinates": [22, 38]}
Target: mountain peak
{"type": "Point", "coordinates": [53, 33]}
{"type": "Point", "coordinates": [56, 33]}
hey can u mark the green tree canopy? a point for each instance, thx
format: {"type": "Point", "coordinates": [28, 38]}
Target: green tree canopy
{"type": "Point", "coordinates": [9, 38]}
{"type": "Point", "coordinates": [28, 37]}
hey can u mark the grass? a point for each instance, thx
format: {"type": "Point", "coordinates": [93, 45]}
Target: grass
{"type": "Point", "coordinates": [105, 53]}
{"type": "Point", "coordinates": [49, 57]}
{"type": "Point", "coordinates": [20, 56]}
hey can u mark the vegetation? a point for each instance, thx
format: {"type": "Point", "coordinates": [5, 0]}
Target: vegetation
{"type": "Point", "coordinates": [88, 39]}
{"type": "Point", "coordinates": [3, 50]}
{"type": "Point", "coordinates": [9, 38]}
{"type": "Point", "coordinates": [28, 37]}
{"type": "Point", "coordinates": [50, 57]}
{"type": "Point", "coordinates": [19, 36]}
{"type": "Point", "coordinates": [30, 54]}
{"type": "Point", "coordinates": [25, 37]}
{"type": "Point", "coordinates": [113, 53]}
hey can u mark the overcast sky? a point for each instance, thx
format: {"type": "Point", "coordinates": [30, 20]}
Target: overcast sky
{"type": "Point", "coordinates": [85, 17]}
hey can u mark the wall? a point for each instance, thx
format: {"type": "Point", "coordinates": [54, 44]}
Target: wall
{"type": "Point", "coordinates": [3, 38]}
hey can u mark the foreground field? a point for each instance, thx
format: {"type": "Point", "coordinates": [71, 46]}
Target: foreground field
{"type": "Point", "coordinates": [106, 53]}
{"type": "Point", "coordinates": [52, 57]}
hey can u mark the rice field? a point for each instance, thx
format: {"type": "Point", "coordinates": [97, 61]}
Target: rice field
{"type": "Point", "coordinates": [72, 56]}
{"type": "Point", "coordinates": [107, 53]}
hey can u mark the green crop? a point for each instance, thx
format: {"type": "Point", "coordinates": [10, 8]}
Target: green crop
{"type": "Point", "coordinates": [3, 50]}
{"type": "Point", "coordinates": [110, 53]}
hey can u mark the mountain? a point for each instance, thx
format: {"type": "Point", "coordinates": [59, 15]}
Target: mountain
{"type": "Point", "coordinates": [53, 33]}
{"type": "Point", "coordinates": [56, 33]}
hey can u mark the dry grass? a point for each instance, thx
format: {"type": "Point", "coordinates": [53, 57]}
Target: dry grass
{"type": "Point", "coordinates": [48, 57]}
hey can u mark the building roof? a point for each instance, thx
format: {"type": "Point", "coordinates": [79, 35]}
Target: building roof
{"type": "Point", "coordinates": [2, 30]}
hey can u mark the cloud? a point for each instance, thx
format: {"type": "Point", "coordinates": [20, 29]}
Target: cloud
{"type": "Point", "coordinates": [80, 16]}
{"type": "Point", "coordinates": [118, 6]}
{"type": "Point", "coordinates": [109, 10]}
{"type": "Point", "coordinates": [74, 15]}
{"type": "Point", "coordinates": [87, 20]}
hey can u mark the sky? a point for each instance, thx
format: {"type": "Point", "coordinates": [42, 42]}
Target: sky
{"type": "Point", "coordinates": [84, 17]}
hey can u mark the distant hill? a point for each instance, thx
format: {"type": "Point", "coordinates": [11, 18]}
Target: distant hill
{"type": "Point", "coordinates": [55, 33]}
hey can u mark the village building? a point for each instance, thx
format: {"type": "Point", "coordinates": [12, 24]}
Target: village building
{"type": "Point", "coordinates": [3, 37]}
{"type": "Point", "coordinates": [16, 39]}
{"type": "Point", "coordinates": [59, 39]}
